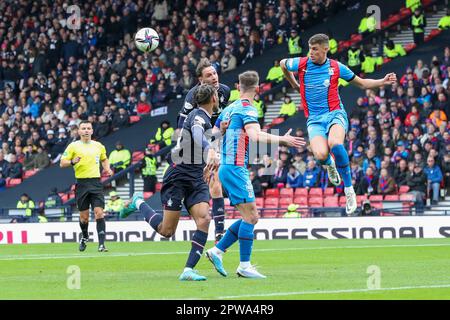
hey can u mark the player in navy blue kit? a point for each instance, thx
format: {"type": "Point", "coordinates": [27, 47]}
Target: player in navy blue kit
{"type": "Point", "coordinates": [327, 121]}
{"type": "Point", "coordinates": [183, 181]}
{"type": "Point", "coordinates": [207, 74]}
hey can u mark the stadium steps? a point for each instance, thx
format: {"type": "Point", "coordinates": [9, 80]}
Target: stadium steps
{"type": "Point", "coordinates": [443, 207]}
{"type": "Point", "coordinates": [273, 109]}
{"type": "Point", "coordinates": [405, 37]}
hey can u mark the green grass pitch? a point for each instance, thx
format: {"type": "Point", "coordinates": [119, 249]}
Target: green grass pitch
{"type": "Point", "coordinates": [295, 269]}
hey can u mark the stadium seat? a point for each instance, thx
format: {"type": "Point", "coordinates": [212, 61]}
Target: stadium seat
{"type": "Point", "coordinates": [285, 202]}
{"type": "Point", "coordinates": [432, 34]}
{"type": "Point", "coordinates": [29, 173]}
{"type": "Point", "coordinates": [286, 193]}
{"type": "Point", "coordinates": [259, 202]}
{"type": "Point", "coordinates": [147, 195]}
{"type": "Point", "coordinates": [403, 189]}
{"type": "Point", "coordinates": [134, 119]}
{"type": "Point", "coordinates": [158, 187]}
{"type": "Point", "coordinates": [271, 201]}
{"type": "Point", "coordinates": [377, 205]}
{"type": "Point", "coordinates": [328, 192]}
{"type": "Point", "coordinates": [360, 199]}
{"type": "Point", "coordinates": [277, 121]}
{"type": "Point", "coordinates": [301, 192]}
{"type": "Point", "coordinates": [376, 197]}
{"type": "Point", "coordinates": [331, 202]}
{"type": "Point", "coordinates": [272, 193]}
{"type": "Point", "coordinates": [315, 192]}
{"type": "Point", "coordinates": [302, 201]}
{"type": "Point", "coordinates": [391, 197]}
{"type": "Point", "coordinates": [342, 201]}
{"type": "Point", "coordinates": [316, 202]}
{"type": "Point", "coordinates": [410, 46]}
{"type": "Point", "coordinates": [137, 156]}
{"type": "Point", "coordinates": [13, 182]}
{"type": "Point", "coordinates": [407, 197]}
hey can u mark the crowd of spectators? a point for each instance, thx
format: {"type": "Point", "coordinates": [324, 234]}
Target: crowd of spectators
{"type": "Point", "coordinates": [398, 136]}
{"type": "Point", "coordinates": [56, 71]}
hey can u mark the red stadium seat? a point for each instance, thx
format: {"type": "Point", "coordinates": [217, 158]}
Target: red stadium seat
{"type": "Point", "coordinates": [391, 197]}
{"type": "Point", "coordinates": [29, 173]}
{"type": "Point", "coordinates": [403, 189]}
{"type": "Point", "coordinates": [301, 192]}
{"type": "Point", "coordinates": [331, 202]}
{"type": "Point", "coordinates": [158, 187]}
{"type": "Point", "coordinates": [329, 192]}
{"type": "Point", "coordinates": [302, 201]}
{"type": "Point", "coordinates": [316, 202]}
{"type": "Point", "coordinates": [286, 193]}
{"type": "Point", "coordinates": [137, 156]}
{"type": "Point", "coordinates": [259, 203]}
{"type": "Point", "coordinates": [377, 205]}
{"type": "Point", "coordinates": [277, 121]}
{"type": "Point", "coordinates": [13, 182]}
{"type": "Point", "coordinates": [342, 201]}
{"type": "Point", "coordinates": [148, 195]}
{"type": "Point", "coordinates": [407, 197]}
{"type": "Point", "coordinates": [285, 202]}
{"type": "Point", "coordinates": [272, 193]}
{"type": "Point", "coordinates": [134, 119]}
{"type": "Point", "coordinates": [271, 201]}
{"type": "Point", "coordinates": [315, 192]}
{"type": "Point", "coordinates": [376, 197]}
{"type": "Point", "coordinates": [360, 199]}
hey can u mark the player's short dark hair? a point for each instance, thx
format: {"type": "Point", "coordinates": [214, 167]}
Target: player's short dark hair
{"type": "Point", "coordinates": [248, 80]}
{"type": "Point", "coordinates": [204, 93]}
{"type": "Point", "coordinates": [320, 39]}
{"type": "Point", "coordinates": [202, 65]}
{"type": "Point", "coordinates": [85, 121]}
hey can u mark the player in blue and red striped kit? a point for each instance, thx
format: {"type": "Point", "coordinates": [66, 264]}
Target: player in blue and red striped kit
{"type": "Point", "coordinates": [243, 127]}
{"type": "Point", "coordinates": [327, 120]}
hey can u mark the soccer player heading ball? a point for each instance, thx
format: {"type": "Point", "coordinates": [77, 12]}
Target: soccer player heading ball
{"type": "Point", "coordinates": [327, 121]}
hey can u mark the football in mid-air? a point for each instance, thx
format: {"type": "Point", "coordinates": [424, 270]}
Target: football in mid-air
{"type": "Point", "coordinates": [146, 39]}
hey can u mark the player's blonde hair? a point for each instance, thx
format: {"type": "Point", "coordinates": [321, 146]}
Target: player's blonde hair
{"type": "Point", "coordinates": [320, 39]}
{"type": "Point", "coordinates": [248, 80]}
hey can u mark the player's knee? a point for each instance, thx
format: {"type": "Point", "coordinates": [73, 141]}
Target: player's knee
{"type": "Point", "coordinates": [167, 232]}
{"type": "Point", "coordinates": [253, 218]}
{"type": "Point", "coordinates": [333, 142]}
{"type": "Point", "coordinates": [321, 155]}
{"type": "Point", "coordinates": [204, 221]}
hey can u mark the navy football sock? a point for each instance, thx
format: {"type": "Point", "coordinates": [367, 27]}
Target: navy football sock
{"type": "Point", "coordinates": [153, 218]}
{"type": "Point", "coordinates": [198, 244]}
{"type": "Point", "coordinates": [218, 214]}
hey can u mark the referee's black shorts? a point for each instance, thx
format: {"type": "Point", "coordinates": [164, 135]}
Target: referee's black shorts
{"type": "Point", "coordinates": [89, 192]}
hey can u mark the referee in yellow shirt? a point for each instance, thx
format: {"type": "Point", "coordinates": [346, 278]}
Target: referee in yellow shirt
{"type": "Point", "coordinates": [85, 156]}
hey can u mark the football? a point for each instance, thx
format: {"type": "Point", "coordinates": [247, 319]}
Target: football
{"type": "Point", "coordinates": [146, 39]}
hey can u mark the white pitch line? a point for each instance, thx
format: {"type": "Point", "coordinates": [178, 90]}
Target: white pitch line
{"type": "Point", "coordinates": [113, 255]}
{"type": "Point", "coordinates": [276, 294]}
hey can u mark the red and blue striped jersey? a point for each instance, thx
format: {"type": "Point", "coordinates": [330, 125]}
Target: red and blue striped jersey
{"type": "Point", "coordinates": [319, 84]}
{"type": "Point", "coordinates": [235, 145]}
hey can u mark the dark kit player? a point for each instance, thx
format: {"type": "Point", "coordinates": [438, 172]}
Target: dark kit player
{"type": "Point", "coordinates": [207, 74]}
{"type": "Point", "coordinates": [183, 181]}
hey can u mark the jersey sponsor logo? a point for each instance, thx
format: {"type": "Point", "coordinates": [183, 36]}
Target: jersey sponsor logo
{"type": "Point", "coordinates": [326, 83]}
{"type": "Point", "coordinates": [170, 202]}
{"type": "Point", "coordinates": [188, 106]}
{"type": "Point", "coordinates": [222, 99]}
{"type": "Point", "coordinates": [252, 113]}
{"type": "Point", "coordinates": [330, 71]}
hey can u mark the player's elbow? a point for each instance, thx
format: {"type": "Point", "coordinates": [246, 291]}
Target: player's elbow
{"type": "Point", "coordinates": [283, 63]}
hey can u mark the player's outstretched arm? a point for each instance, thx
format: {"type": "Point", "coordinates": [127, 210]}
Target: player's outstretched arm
{"type": "Point", "coordinates": [255, 134]}
{"type": "Point", "coordinates": [389, 79]}
{"type": "Point", "coordinates": [289, 75]}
